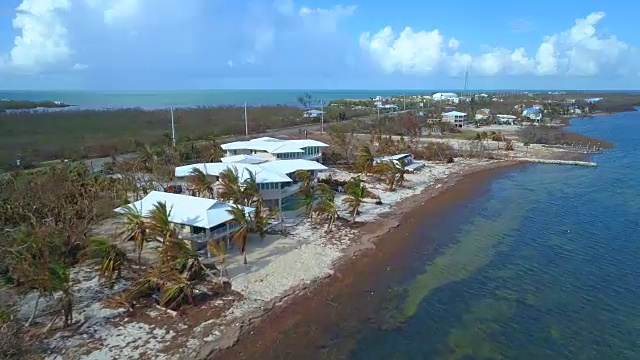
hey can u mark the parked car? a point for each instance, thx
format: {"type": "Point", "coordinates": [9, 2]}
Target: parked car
{"type": "Point", "coordinates": [174, 189]}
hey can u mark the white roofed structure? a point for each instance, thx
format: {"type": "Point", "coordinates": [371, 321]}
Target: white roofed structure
{"type": "Point", "coordinates": [281, 149]}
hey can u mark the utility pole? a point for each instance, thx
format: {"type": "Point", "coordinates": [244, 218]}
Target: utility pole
{"type": "Point", "coordinates": [173, 129]}
{"type": "Point", "coordinates": [246, 122]}
{"type": "Point", "coordinates": [404, 102]}
{"type": "Point", "coordinates": [321, 116]}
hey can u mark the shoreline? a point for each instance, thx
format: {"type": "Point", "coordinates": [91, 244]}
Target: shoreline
{"type": "Point", "coordinates": [249, 341]}
{"type": "Point", "coordinates": [373, 235]}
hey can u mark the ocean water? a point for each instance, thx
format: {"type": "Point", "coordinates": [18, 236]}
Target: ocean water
{"type": "Point", "coordinates": [545, 264]}
{"type": "Point", "coordinates": [193, 98]}
{"type": "Point", "coordinates": [164, 99]}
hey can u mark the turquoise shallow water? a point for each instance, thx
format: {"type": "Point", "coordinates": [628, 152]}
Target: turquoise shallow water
{"type": "Point", "coordinates": [162, 99]}
{"type": "Point", "coordinates": [544, 265]}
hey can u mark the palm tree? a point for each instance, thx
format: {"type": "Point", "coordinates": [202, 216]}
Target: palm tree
{"type": "Point", "coordinates": [401, 170]}
{"type": "Point", "coordinates": [307, 198]}
{"type": "Point", "coordinates": [387, 171]}
{"type": "Point", "coordinates": [304, 178]}
{"type": "Point", "coordinates": [136, 229]}
{"type": "Point", "coordinates": [242, 223]}
{"type": "Point", "coordinates": [356, 192]}
{"type": "Point", "coordinates": [111, 256]}
{"type": "Point", "coordinates": [262, 218]}
{"type": "Point", "coordinates": [526, 145]}
{"type": "Point", "coordinates": [200, 183]}
{"type": "Point", "coordinates": [250, 193]}
{"type": "Point", "coordinates": [230, 189]}
{"type": "Point", "coordinates": [159, 224]}
{"type": "Point", "coordinates": [365, 159]}
{"type": "Point", "coordinates": [326, 207]}
{"type": "Point", "coordinates": [212, 151]}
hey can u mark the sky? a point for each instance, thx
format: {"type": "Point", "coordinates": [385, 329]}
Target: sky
{"type": "Point", "coordinates": [312, 44]}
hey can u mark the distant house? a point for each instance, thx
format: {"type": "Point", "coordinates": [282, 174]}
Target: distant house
{"type": "Point", "coordinates": [532, 113]}
{"type": "Point", "coordinates": [409, 163]}
{"type": "Point", "coordinates": [277, 149]}
{"type": "Point", "coordinates": [313, 113]}
{"type": "Point", "coordinates": [448, 97]}
{"type": "Point", "coordinates": [483, 114]}
{"type": "Point", "coordinates": [592, 100]}
{"type": "Point", "coordinates": [506, 119]}
{"type": "Point", "coordinates": [197, 219]}
{"type": "Point", "coordinates": [456, 118]}
{"type": "Point", "coordinates": [277, 181]}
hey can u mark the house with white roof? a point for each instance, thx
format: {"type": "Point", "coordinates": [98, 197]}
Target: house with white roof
{"type": "Point", "coordinates": [276, 179]}
{"type": "Point", "coordinates": [273, 149]}
{"type": "Point", "coordinates": [448, 97]}
{"type": "Point", "coordinates": [196, 219]}
{"type": "Point", "coordinates": [456, 118]}
{"type": "Point", "coordinates": [313, 113]}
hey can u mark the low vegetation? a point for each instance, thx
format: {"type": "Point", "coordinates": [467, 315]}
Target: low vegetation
{"type": "Point", "coordinates": [555, 136]}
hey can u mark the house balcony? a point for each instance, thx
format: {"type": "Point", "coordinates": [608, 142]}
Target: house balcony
{"type": "Point", "coordinates": [289, 190]}
{"type": "Point", "coordinates": [203, 238]}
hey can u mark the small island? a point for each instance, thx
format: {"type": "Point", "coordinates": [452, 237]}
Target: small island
{"type": "Point", "coordinates": [28, 104]}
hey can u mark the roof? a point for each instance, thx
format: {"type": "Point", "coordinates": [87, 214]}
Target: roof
{"type": "Point", "coordinates": [317, 112]}
{"type": "Point", "coordinates": [454, 113]}
{"type": "Point", "coordinates": [272, 145]}
{"type": "Point", "coordinates": [392, 157]}
{"type": "Point", "coordinates": [291, 166]}
{"type": "Point", "coordinates": [532, 109]}
{"type": "Point", "coordinates": [185, 209]}
{"type": "Point", "coordinates": [506, 116]}
{"type": "Point", "coordinates": [268, 172]}
{"type": "Point", "coordinates": [446, 94]}
{"type": "Point", "coordinates": [246, 159]}
{"type": "Point", "coordinates": [262, 176]}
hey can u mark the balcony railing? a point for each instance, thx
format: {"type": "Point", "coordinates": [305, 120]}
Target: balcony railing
{"type": "Point", "coordinates": [214, 235]}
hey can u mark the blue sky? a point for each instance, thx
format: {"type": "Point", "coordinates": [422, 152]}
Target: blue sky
{"type": "Point", "coordinates": [293, 44]}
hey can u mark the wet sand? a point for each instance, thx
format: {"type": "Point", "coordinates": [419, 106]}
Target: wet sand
{"type": "Point", "coordinates": [319, 322]}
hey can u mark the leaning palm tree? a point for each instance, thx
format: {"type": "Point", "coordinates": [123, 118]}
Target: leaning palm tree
{"type": "Point", "coordinates": [229, 182]}
{"type": "Point", "coordinates": [136, 228]}
{"type": "Point", "coordinates": [326, 207]}
{"type": "Point", "coordinates": [304, 178]}
{"type": "Point", "coordinates": [307, 198]}
{"type": "Point", "coordinates": [356, 192]}
{"type": "Point", "coordinates": [365, 159]}
{"type": "Point", "coordinates": [111, 256]}
{"type": "Point", "coordinates": [242, 222]}
{"type": "Point", "coordinates": [200, 183]}
{"type": "Point", "coordinates": [388, 173]}
{"type": "Point", "coordinates": [401, 171]}
{"type": "Point", "coordinates": [212, 151]}
{"type": "Point", "coordinates": [262, 217]}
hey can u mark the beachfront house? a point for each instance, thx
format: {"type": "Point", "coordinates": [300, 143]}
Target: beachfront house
{"type": "Point", "coordinates": [409, 163]}
{"type": "Point", "coordinates": [313, 113]}
{"type": "Point", "coordinates": [456, 118]}
{"type": "Point", "coordinates": [278, 184]}
{"type": "Point", "coordinates": [277, 149]}
{"type": "Point", "coordinates": [483, 114]}
{"type": "Point", "coordinates": [196, 219]}
{"type": "Point", "coordinates": [451, 98]}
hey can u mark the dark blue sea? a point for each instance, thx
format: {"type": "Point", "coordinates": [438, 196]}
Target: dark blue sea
{"type": "Point", "coordinates": [544, 264]}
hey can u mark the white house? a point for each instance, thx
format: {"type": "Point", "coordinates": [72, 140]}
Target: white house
{"type": "Point", "coordinates": [276, 179]}
{"type": "Point", "coordinates": [506, 119]}
{"type": "Point", "coordinates": [448, 97]}
{"type": "Point", "coordinates": [532, 113]}
{"type": "Point", "coordinates": [278, 149]}
{"type": "Point", "coordinates": [409, 163]}
{"type": "Point", "coordinates": [457, 118]}
{"type": "Point", "coordinates": [313, 113]}
{"type": "Point", "coordinates": [197, 219]}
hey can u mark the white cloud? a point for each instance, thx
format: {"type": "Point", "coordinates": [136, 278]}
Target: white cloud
{"type": "Point", "coordinates": [116, 11]}
{"type": "Point", "coordinates": [79, 67]}
{"type": "Point", "coordinates": [579, 51]}
{"type": "Point", "coordinates": [42, 39]}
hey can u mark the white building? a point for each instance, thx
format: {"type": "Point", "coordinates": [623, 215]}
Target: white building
{"type": "Point", "coordinates": [276, 179]}
{"type": "Point", "coordinates": [409, 163]}
{"type": "Point", "coordinates": [277, 149]}
{"type": "Point", "coordinates": [506, 119]}
{"type": "Point", "coordinates": [532, 113]}
{"type": "Point", "coordinates": [196, 219]}
{"type": "Point", "coordinates": [313, 113]}
{"type": "Point", "coordinates": [456, 118]}
{"type": "Point", "coordinates": [448, 97]}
